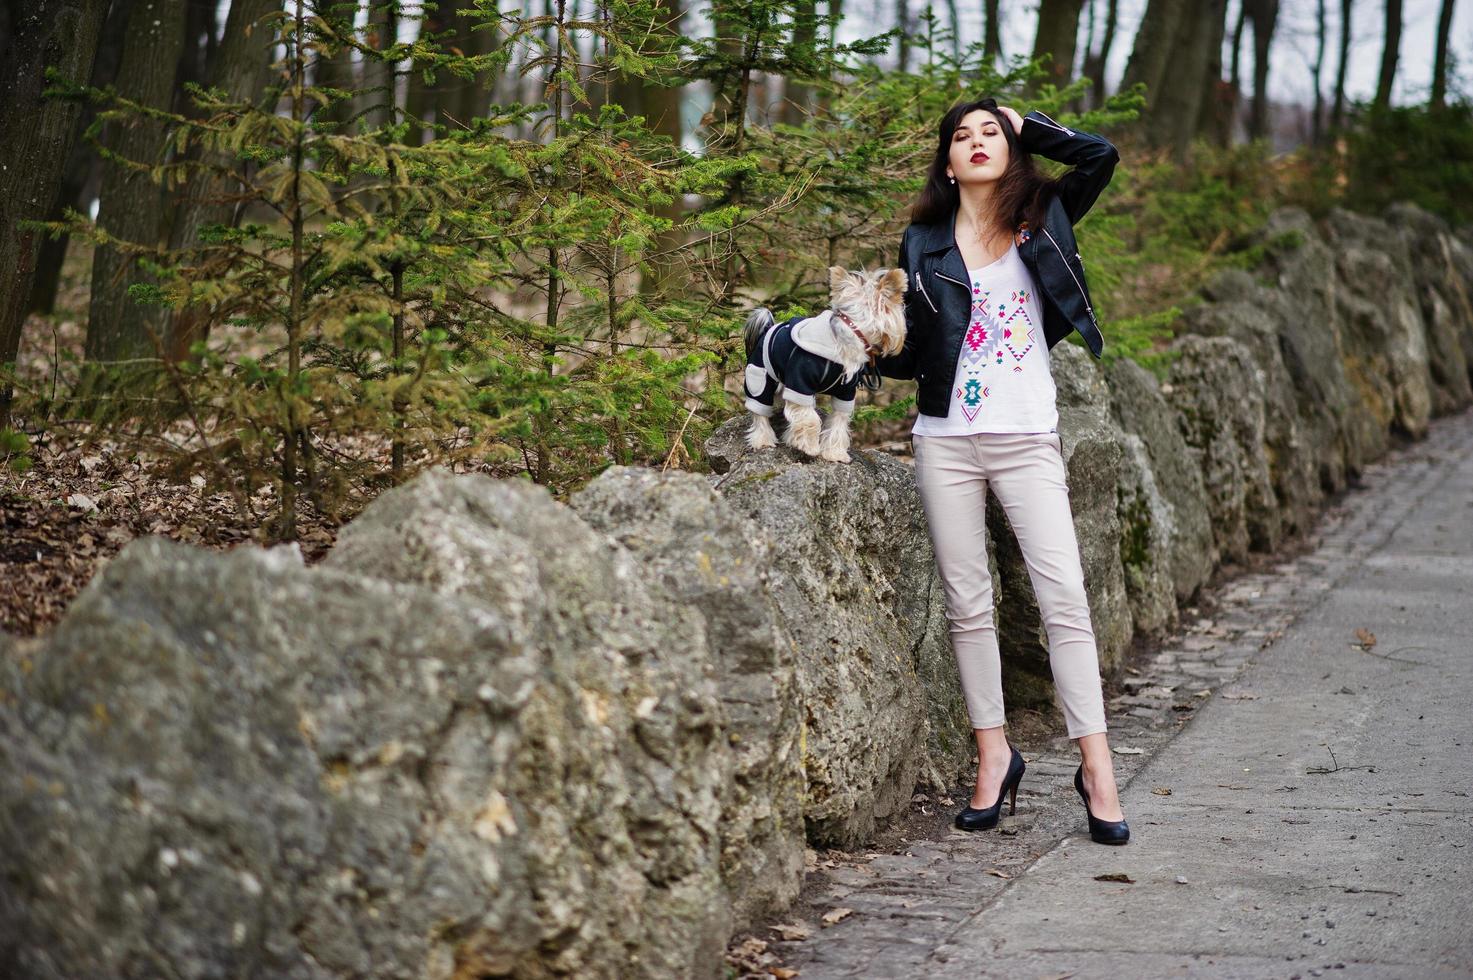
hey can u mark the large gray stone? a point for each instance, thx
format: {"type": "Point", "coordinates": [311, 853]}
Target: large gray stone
{"type": "Point", "coordinates": [695, 548]}
{"type": "Point", "coordinates": [1442, 272]}
{"type": "Point", "coordinates": [1383, 340]}
{"type": "Point", "coordinates": [1217, 391]}
{"type": "Point", "coordinates": [1244, 310]}
{"type": "Point", "coordinates": [854, 578]}
{"type": "Point", "coordinates": [1147, 532]}
{"type": "Point", "coordinates": [625, 758]}
{"type": "Point", "coordinates": [1093, 448]}
{"type": "Point", "coordinates": [228, 762]}
{"type": "Point", "coordinates": [1191, 552]}
{"type": "Point", "coordinates": [1302, 267]}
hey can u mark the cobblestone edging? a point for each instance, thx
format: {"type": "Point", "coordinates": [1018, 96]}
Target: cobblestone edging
{"type": "Point", "coordinates": [923, 880]}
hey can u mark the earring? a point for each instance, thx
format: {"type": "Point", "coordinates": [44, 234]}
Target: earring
{"type": "Point", "coordinates": [953, 180]}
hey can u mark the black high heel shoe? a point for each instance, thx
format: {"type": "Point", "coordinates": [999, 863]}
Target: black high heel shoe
{"type": "Point", "coordinates": [972, 818]}
{"type": "Point", "coordinates": [1100, 831]}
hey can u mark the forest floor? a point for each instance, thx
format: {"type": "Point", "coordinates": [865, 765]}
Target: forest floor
{"type": "Point", "coordinates": [80, 503]}
{"type": "Point", "coordinates": [85, 497]}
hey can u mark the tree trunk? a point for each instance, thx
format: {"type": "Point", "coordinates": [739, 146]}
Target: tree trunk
{"type": "Point", "coordinates": [197, 52]}
{"type": "Point", "coordinates": [35, 136]}
{"type": "Point", "coordinates": [379, 105]}
{"type": "Point", "coordinates": [1264, 14]}
{"type": "Point", "coordinates": [798, 96]}
{"type": "Point", "coordinates": [1337, 114]}
{"type": "Point", "coordinates": [1152, 49]}
{"type": "Point", "coordinates": [1150, 57]}
{"type": "Point", "coordinates": [1178, 106]}
{"type": "Point", "coordinates": [423, 97]}
{"type": "Point", "coordinates": [83, 166]}
{"type": "Point", "coordinates": [956, 34]}
{"type": "Point", "coordinates": [469, 98]}
{"type": "Point", "coordinates": [196, 55]}
{"type": "Point", "coordinates": [330, 69]}
{"type": "Point", "coordinates": [1215, 113]}
{"type": "Point", "coordinates": [660, 105]}
{"type": "Point", "coordinates": [835, 18]}
{"type": "Point", "coordinates": [129, 208]}
{"type": "Point", "coordinates": [240, 68]}
{"type": "Point", "coordinates": [1316, 129]}
{"type": "Point", "coordinates": [1439, 64]}
{"type": "Point", "coordinates": [1086, 67]}
{"type": "Point", "coordinates": [1096, 60]}
{"type": "Point", "coordinates": [1235, 75]}
{"type": "Point", "coordinates": [1389, 54]}
{"type": "Point", "coordinates": [902, 20]}
{"type": "Point", "coordinates": [992, 34]}
{"type": "Point", "coordinates": [1057, 36]}
{"type": "Point", "coordinates": [730, 102]}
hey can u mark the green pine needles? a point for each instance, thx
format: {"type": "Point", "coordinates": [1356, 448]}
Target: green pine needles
{"type": "Point", "coordinates": [386, 270]}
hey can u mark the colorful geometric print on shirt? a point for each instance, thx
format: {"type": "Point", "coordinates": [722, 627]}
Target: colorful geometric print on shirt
{"type": "Point", "coordinates": [1001, 334]}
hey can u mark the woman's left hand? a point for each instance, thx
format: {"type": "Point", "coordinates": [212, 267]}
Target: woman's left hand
{"type": "Point", "coordinates": [1013, 117]}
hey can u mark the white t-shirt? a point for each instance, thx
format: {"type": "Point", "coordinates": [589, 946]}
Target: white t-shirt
{"type": "Point", "coordinates": [1002, 381]}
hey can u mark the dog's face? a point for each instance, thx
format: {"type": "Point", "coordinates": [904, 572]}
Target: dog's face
{"type": "Point", "coordinates": [875, 301]}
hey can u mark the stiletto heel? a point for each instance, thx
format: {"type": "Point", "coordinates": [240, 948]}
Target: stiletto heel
{"type": "Point", "coordinates": [972, 818]}
{"type": "Point", "coordinates": [1100, 831]}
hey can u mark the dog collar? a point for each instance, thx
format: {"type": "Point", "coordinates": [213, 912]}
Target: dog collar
{"type": "Point", "coordinates": [871, 351]}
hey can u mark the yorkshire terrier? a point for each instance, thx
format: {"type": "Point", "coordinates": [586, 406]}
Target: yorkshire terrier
{"type": "Point", "coordinates": [803, 357]}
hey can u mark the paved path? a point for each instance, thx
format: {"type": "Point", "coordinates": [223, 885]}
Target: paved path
{"type": "Point", "coordinates": [1313, 819]}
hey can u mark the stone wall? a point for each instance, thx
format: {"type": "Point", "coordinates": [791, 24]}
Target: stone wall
{"type": "Point", "coordinates": [494, 734]}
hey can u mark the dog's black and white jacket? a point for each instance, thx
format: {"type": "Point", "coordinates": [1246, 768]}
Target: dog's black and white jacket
{"type": "Point", "coordinates": [800, 355]}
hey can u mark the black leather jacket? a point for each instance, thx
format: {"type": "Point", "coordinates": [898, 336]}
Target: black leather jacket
{"type": "Point", "coordinates": [938, 301]}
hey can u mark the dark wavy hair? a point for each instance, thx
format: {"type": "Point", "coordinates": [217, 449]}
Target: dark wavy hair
{"type": "Point", "coordinates": [1022, 191]}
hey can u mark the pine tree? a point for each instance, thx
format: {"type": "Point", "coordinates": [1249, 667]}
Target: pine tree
{"type": "Point", "coordinates": [414, 289]}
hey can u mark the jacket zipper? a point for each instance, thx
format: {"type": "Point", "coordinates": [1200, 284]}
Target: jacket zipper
{"type": "Point", "coordinates": [1049, 122]}
{"type": "Point", "coordinates": [941, 275]}
{"type": "Point", "coordinates": [1088, 309]}
{"type": "Point", "coordinates": [921, 286]}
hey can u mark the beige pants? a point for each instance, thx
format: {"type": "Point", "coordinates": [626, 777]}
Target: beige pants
{"type": "Point", "coordinates": [1026, 470]}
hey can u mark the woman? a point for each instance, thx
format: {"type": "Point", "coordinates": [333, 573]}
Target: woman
{"type": "Point", "coordinates": [995, 281]}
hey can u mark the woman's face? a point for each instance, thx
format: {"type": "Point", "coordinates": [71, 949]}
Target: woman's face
{"type": "Point", "coordinates": [979, 150]}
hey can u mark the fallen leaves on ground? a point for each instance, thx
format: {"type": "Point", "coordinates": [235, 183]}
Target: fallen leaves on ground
{"type": "Point", "coordinates": [749, 958]}
{"type": "Point", "coordinates": [793, 931]}
{"type": "Point", "coordinates": [79, 504]}
{"type": "Point", "coordinates": [836, 915]}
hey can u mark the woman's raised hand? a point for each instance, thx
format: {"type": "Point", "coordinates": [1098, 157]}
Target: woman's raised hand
{"type": "Point", "coordinates": [1013, 117]}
